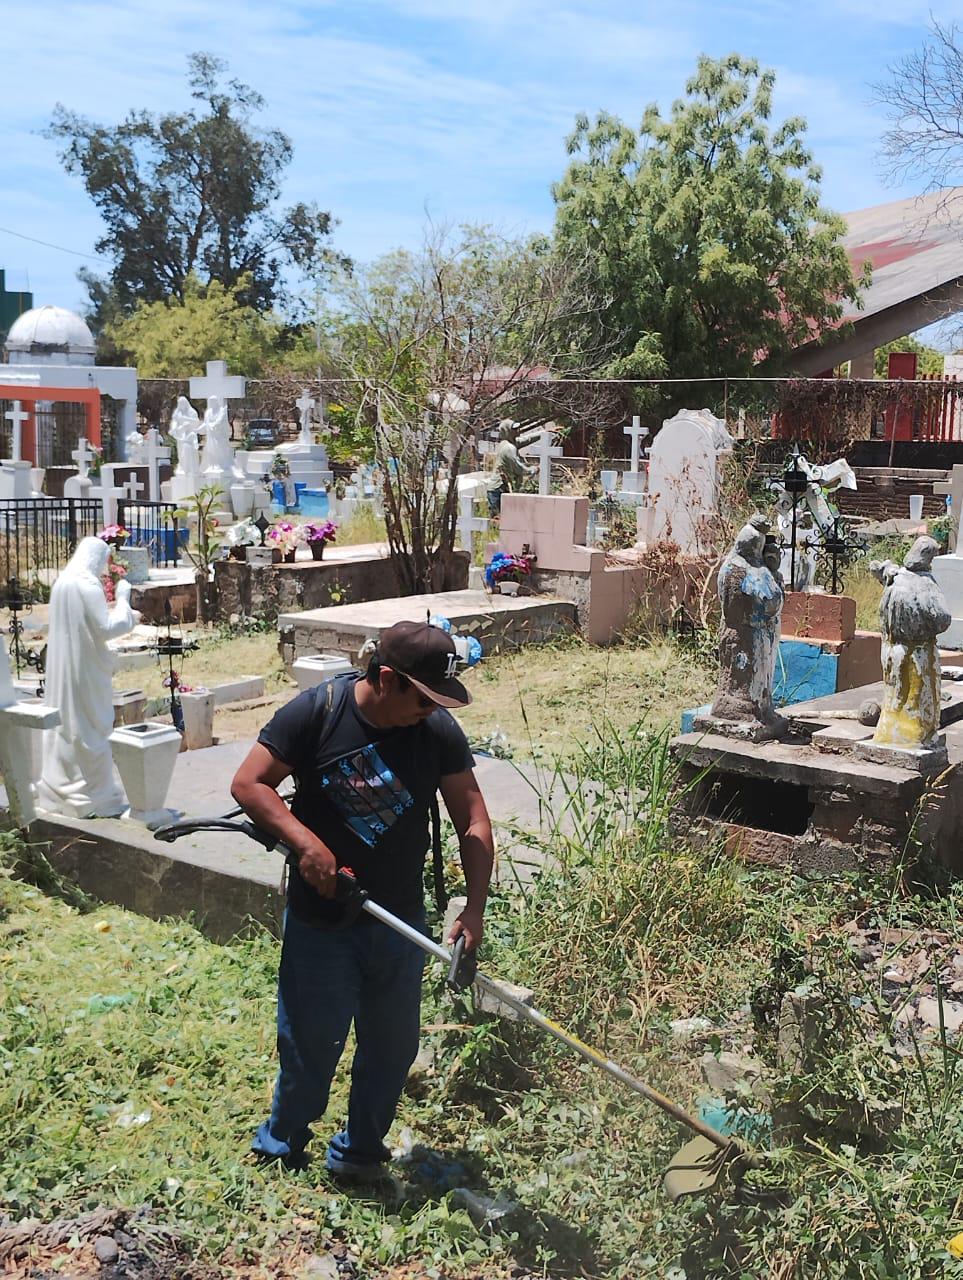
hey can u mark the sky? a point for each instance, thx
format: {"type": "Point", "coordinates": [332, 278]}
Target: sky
{"type": "Point", "coordinates": [458, 109]}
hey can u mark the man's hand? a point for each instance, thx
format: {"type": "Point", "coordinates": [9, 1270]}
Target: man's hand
{"type": "Point", "coordinates": [470, 924]}
{"type": "Point", "coordinates": [317, 864]}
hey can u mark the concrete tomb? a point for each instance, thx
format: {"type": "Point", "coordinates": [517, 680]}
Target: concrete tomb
{"type": "Point", "coordinates": [948, 569]}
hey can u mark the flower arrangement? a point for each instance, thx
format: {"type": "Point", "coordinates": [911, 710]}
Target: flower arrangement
{"type": "Point", "coordinates": [324, 531]}
{"type": "Point", "coordinates": [506, 568]}
{"type": "Point", "coordinates": [243, 534]}
{"type": "Point", "coordinates": [115, 534]}
{"type": "Point", "coordinates": [280, 467]}
{"type": "Point", "coordinates": [285, 537]}
{"type": "Point", "coordinates": [111, 577]}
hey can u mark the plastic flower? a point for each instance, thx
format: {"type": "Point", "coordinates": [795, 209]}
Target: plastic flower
{"type": "Point", "coordinates": [113, 532]}
{"type": "Point", "coordinates": [506, 568]}
{"type": "Point", "coordinates": [324, 531]}
{"type": "Point", "coordinates": [285, 536]}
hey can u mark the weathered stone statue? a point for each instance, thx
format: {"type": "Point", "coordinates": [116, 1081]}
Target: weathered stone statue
{"type": "Point", "coordinates": [78, 777]}
{"type": "Point", "coordinates": [751, 596]}
{"type": "Point", "coordinates": [912, 613]}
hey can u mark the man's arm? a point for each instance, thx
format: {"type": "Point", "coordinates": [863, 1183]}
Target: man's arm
{"type": "Point", "coordinates": [255, 790]}
{"type": "Point", "coordinates": [469, 814]}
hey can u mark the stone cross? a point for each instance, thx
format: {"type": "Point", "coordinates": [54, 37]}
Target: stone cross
{"type": "Point", "coordinates": [155, 453]}
{"type": "Point", "coordinates": [467, 522]}
{"type": "Point", "coordinates": [637, 432]}
{"type": "Point", "coordinates": [545, 450]}
{"type": "Point", "coordinates": [17, 417]}
{"type": "Point", "coordinates": [83, 456]}
{"type": "Point", "coordinates": [305, 403]}
{"type": "Point", "coordinates": [108, 492]}
{"type": "Point", "coordinates": [954, 487]}
{"type": "Point", "coordinates": [217, 382]}
{"type": "Point", "coordinates": [133, 488]}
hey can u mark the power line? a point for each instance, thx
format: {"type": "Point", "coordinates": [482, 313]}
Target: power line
{"type": "Point", "coordinates": [94, 257]}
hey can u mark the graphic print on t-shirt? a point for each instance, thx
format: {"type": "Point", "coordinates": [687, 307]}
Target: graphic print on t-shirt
{"type": "Point", "coordinates": [368, 795]}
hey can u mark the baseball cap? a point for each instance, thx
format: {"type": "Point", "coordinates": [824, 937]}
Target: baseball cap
{"type": "Point", "coordinates": [427, 656]}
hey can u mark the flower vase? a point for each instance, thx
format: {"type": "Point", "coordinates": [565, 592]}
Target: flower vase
{"type": "Point", "coordinates": [317, 549]}
{"type": "Point", "coordinates": [290, 556]}
{"type": "Point", "coordinates": [237, 553]}
{"type": "Point", "coordinates": [508, 588]}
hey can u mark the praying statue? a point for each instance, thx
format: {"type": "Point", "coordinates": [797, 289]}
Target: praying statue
{"type": "Point", "coordinates": [912, 613]}
{"type": "Point", "coordinates": [184, 431]}
{"type": "Point", "coordinates": [751, 596]}
{"type": "Point", "coordinates": [217, 461]}
{"type": "Point", "coordinates": [78, 778]}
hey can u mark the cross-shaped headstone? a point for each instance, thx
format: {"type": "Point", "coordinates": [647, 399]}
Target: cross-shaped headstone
{"type": "Point", "coordinates": [133, 488]}
{"type": "Point", "coordinates": [954, 487]}
{"type": "Point", "coordinates": [638, 433]}
{"type": "Point", "coordinates": [217, 382]}
{"type": "Point", "coordinates": [17, 417]}
{"type": "Point", "coordinates": [305, 404]}
{"type": "Point", "coordinates": [83, 455]}
{"type": "Point", "coordinates": [467, 522]}
{"type": "Point", "coordinates": [545, 450]}
{"type": "Point", "coordinates": [155, 454]}
{"type": "Point", "coordinates": [108, 492]}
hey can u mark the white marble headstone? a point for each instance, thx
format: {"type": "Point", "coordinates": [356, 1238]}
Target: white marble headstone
{"type": "Point", "coordinates": [685, 470]}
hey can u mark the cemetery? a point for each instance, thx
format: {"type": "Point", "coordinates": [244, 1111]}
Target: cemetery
{"type": "Point", "coordinates": [659, 588]}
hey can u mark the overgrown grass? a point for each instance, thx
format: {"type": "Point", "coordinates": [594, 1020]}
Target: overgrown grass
{"type": "Point", "coordinates": [363, 525]}
{"type": "Point", "coordinates": [625, 930]}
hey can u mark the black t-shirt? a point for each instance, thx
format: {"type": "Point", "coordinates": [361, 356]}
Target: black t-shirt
{"type": "Point", "coordinates": [364, 791]}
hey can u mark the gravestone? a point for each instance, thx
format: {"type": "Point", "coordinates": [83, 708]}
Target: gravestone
{"type": "Point", "coordinates": [307, 461]}
{"type": "Point", "coordinates": [15, 480]}
{"type": "Point", "coordinates": [948, 569]}
{"type": "Point", "coordinates": [685, 475]}
{"type": "Point", "coordinates": [633, 480]}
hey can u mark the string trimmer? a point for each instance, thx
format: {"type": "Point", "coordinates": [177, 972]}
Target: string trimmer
{"type": "Point", "coordinates": [694, 1169]}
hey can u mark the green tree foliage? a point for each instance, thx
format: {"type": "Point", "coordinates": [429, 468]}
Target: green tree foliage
{"type": "Point", "coordinates": [930, 360]}
{"type": "Point", "coordinates": [173, 338]}
{"type": "Point", "coordinates": [706, 228]}
{"type": "Point", "coordinates": [191, 193]}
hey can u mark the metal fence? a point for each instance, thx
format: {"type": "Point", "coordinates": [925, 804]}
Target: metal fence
{"type": "Point", "coordinates": [39, 535]}
{"type": "Point", "coordinates": [155, 526]}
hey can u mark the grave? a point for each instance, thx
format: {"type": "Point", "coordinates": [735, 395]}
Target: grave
{"type": "Point", "coordinates": [685, 479]}
{"type": "Point", "coordinates": [499, 622]}
{"type": "Point", "coordinates": [605, 593]}
{"type": "Point", "coordinates": [948, 569]}
{"type": "Point", "coordinates": [308, 461]}
{"type": "Point", "coordinates": [838, 782]}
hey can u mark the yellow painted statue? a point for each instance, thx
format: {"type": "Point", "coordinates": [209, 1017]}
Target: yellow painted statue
{"type": "Point", "coordinates": [912, 613]}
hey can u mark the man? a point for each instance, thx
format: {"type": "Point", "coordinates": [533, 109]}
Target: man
{"type": "Point", "coordinates": [509, 470]}
{"type": "Point", "coordinates": [367, 753]}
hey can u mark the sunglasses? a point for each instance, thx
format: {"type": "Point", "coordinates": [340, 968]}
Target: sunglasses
{"type": "Point", "coordinates": [423, 702]}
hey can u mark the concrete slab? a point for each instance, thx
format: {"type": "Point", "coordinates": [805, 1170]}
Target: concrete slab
{"type": "Point", "coordinates": [499, 622]}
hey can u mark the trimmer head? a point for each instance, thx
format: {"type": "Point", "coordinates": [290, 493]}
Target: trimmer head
{"type": "Point", "coordinates": [698, 1166]}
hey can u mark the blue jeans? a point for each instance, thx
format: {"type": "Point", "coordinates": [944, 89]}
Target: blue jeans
{"type": "Point", "coordinates": [367, 973]}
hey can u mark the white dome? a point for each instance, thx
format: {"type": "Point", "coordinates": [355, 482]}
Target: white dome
{"type": "Point", "coordinates": [50, 335]}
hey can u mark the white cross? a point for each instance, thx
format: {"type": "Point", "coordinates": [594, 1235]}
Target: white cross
{"type": "Point", "coordinates": [467, 522]}
{"type": "Point", "coordinates": [83, 455]}
{"type": "Point", "coordinates": [637, 432]}
{"type": "Point", "coordinates": [217, 382]}
{"type": "Point", "coordinates": [954, 487]}
{"type": "Point", "coordinates": [133, 488]}
{"type": "Point", "coordinates": [155, 453]}
{"type": "Point", "coordinates": [108, 492]}
{"type": "Point", "coordinates": [305, 404]}
{"type": "Point", "coordinates": [545, 451]}
{"type": "Point", "coordinates": [17, 417]}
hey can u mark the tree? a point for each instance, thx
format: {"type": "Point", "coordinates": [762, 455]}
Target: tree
{"type": "Point", "coordinates": [706, 229]}
{"type": "Point", "coordinates": [435, 346]}
{"type": "Point", "coordinates": [925, 100]}
{"type": "Point", "coordinates": [188, 194]}
{"type": "Point", "coordinates": [172, 338]}
{"type": "Point", "coordinates": [930, 360]}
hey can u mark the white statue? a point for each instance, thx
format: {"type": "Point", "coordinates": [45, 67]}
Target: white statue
{"type": "Point", "coordinates": [185, 431]}
{"type": "Point", "coordinates": [78, 777]}
{"type": "Point", "coordinates": [217, 460]}
{"type": "Point", "coordinates": [135, 448]}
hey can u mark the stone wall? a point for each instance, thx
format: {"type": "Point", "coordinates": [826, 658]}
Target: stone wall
{"type": "Point", "coordinates": [264, 591]}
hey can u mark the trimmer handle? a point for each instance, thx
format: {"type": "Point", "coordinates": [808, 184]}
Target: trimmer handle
{"type": "Point", "coordinates": [463, 967]}
{"type": "Point", "coordinates": [350, 897]}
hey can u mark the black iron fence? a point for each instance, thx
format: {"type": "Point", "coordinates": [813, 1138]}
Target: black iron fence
{"type": "Point", "coordinates": [39, 535]}
{"type": "Point", "coordinates": [153, 525]}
